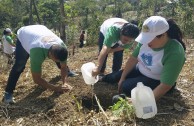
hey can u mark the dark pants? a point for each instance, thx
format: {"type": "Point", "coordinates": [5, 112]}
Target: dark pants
{"type": "Point", "coordinates": [21, 57]}
{"type": "Point", "coordinates": [117, 56]}
{"type": "Point", "coordinates": [131, 80]}
{"type": "Point", "coordinates": [81, 43]}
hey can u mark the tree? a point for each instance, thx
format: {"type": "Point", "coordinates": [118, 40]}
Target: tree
{"type": "Point", "coordinates": [62, 20]}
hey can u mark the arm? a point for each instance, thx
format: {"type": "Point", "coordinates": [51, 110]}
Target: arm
{"type": "Point", "coordinates": [36, 60]}
{"type": "Point", "coordinates": [105, 50]}
{"type": "Point", "coordinates": [64, 70]}
{"type": "Point", "coordinates": [160, 90]}
{"type": "Point", "coordinates": [170, 71]}
{"type": "Point", "coordinates": [132, 61]}
{"type": "Point", "coordinates": [38, 80]}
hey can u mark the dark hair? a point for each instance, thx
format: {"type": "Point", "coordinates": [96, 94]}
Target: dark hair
{"type": "Point", "coordinates": [83, 31]}
{"type": "Point", "coordinates": [59, 52]}
{"type": "Point", "coordinates": [5, 32]}
{"type": "Point", "coordinates": [174, 32]}
{"type": "Point", "coordinates": [130, 30]}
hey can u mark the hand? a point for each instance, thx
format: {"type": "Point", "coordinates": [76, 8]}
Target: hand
{"type": "Point", "coordinates": [62, 89]}
{"type": "Point", "coordinates": [95, 72]}
{"type": "Point", "coordinates": [67, 86]}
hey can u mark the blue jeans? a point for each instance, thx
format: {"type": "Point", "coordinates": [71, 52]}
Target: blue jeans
{"type": "Point", "coordinates": [117, 56]}
{"type": "Point", "coordinates": [21, 57]}
{"type": "Point", "coordinates": [131, 80]}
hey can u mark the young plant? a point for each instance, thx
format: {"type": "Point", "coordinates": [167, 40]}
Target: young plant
{"type": "Point", "coordinates": [123, 109]}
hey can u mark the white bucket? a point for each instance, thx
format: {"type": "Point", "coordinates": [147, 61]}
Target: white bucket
{"type": "Point", "coordinates": [144, 101]}
{"type": "Point", "coordinates": [86, 70]}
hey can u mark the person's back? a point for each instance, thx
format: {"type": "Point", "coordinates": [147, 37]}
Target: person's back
{"type": "Point", "coordinates": [37, 42]}
{"type": "Point", "coordinates": [110, 22]}
{"type": "Point", "coordinates": [30, 36]}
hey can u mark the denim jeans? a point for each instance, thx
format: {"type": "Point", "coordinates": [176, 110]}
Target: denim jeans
{"type": "Point", "coordinates": [117, 56]}
{"type": "Point", "coordinates": [81, 43]}
{"type": "Point", "coordinates": [21, 57]}
{"type": "Point", "coordinates": [131, 80]}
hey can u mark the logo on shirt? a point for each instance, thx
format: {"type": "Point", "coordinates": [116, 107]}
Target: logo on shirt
{"type": "Point", "coordinates": [147, 59]}
{"type": "Point", "coordinates": [48, 39]}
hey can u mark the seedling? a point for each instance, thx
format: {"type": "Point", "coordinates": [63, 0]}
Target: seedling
{"type": "Point", "coordinates": [123, 109]}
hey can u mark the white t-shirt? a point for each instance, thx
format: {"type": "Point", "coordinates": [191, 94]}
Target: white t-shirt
{"type": "Point", "coordinates": [37, 36]}
{"type": "Point", "coordinates": [111, 22]}
{"type": "Point", "coordinates": [150, 62]}
{"type": "Point", "coordinates": [7, 48]}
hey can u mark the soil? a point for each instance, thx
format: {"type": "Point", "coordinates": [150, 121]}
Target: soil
{"type": "Point", "coordinates": [41, 107]}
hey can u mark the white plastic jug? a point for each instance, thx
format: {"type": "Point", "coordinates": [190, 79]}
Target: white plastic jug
{"type": "Point", "coordinates": [86, 70]}
{"type": "Point", "coordinates": [144, 101]}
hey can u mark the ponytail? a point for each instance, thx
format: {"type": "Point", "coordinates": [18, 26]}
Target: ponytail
{"type": "Point", "coordinates": [174, 32]}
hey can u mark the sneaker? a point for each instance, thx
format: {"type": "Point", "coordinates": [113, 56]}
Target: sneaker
{"type": "Point", "coordinates": [72, 74]}
{"type": "Point", "coordinates": [116, 98]}
{"type": "Point", "coordinates": [8, 98]}
{"type": "Point", "coordinates": [100, 77]}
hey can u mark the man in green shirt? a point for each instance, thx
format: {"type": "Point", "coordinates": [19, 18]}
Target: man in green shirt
{"type": "Point", "coordinates": [115, 35]}
{"type": "Point", "coordinates": [38, 43]}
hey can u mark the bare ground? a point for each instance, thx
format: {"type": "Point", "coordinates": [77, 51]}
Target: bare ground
{"type": "Point", "coordinates": [40, 107]}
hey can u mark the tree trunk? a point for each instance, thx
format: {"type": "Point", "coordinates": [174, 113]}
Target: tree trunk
{"type": "Point", "coordinates": [86, 24]}
{"type": "Point", "coordinates": [155, 8]}
{"type": "Point", "coordinates": [62, 23]}
{"type": "Point", "coordinates": [36, 11]}
{"type": "Point", "coordinates": [30, 14]}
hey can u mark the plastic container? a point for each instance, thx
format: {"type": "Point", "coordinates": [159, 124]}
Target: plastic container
{"type": "Point", "coordinates": [86, 70]}
{"type": "Point", "coordinates": [144, 101]}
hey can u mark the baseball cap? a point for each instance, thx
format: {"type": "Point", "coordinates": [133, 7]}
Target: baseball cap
{"type": "Point", "coordinates": [152, 26]}
{"type": "Point", "coordinates": [8, 30]}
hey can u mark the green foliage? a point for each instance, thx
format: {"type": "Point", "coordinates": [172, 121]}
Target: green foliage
{"type": "Point", "coordinates": [77, 103]}
{"type": "Point", "coordinates": [49, 13]}
{"type": "Point", "coordinates": [71, 21]}
{"type": "Point", "coordinates": [94, 28]}
{"type": "Point", "coordinates": [89, 14]}
{"type": "Point", "coordinates": [181, 11]}
{"type": "Point", "coordinates": [123, 109]}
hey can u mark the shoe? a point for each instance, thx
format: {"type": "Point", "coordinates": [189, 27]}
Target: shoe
{"type": "Point", "coordinates": [117, 98]}
{"type": "Point", "coordinates": [8, 98]}
{"type": "Point", "coordinates": [72, 74]}
{"type": "Point", "coordinates": [100, 77]}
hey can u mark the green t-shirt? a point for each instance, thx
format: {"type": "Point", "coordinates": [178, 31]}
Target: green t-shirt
{"type": "Point", "coordinates": [37, 57]}
{"type": "Point", "coordinates": [9, 39]}
{"type": "Point", "coordinates": [36, 40]}
{"type": "Point", "coordinates": [113, 36]}
{"type": "Point", "coordinates": [162, 64]}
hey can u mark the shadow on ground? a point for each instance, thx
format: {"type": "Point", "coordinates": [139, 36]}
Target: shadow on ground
{"type": "Point", "coordinates": [31, 104]}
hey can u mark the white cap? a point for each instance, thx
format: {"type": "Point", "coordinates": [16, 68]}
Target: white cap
{"type": "Point", "coordinates": [8, 30]}
{"type": "Point", "coordinates": [153, 26]}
